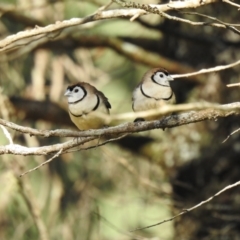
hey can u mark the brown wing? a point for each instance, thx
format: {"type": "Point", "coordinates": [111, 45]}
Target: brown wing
{"type": "Point", "coordinates": [104, 98]}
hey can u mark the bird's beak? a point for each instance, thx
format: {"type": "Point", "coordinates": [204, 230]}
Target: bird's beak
{"type": "Point", "coordinates": [67, 93]}
{"type": "Point", "coordinates": [170, 78]}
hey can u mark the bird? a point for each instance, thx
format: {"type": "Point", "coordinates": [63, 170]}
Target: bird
{"type": "Point", "coordinates": [84, 102]}
{"type": "Point", "coordinates": [153, 92]}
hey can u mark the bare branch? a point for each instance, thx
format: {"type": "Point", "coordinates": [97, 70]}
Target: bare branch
{"type": "Point", "coordinates": [98, 144]}
{"type": "Point", "coordinates": [212, 18]}
{"type": "Point", "coordinates": [230, 135]}
{"type": "Point", "coordinates": [22, 150]}
{"type": "Point", "coordinates": [192, 208]}
{"type": "Point", "coordinates": [219, 24]}
{"type": "Point", "coordinates": [133, 127]}
{"type": "Point", "coordinates": [7, 134]}
{"type": "Point", "coordinates": [112, 226]}
{"type": "Point", "coordinates": [212, 111]}
{"type": "Point", "coordinates": [233, 85]}
{"type": "Point", "coordinates": [42, 164]}
{"type": "Point", "coordinates": [208, 70]}
{"type": "Point", "coordinates": [168, 109]}
{"type": "Point", "coordinates": [231, 3]}
{"type": "Point", "coordinates": [53, 30]}
{"type": "Point", "coordinates": [155, 10]}
{"type": "Point", "coordinates": [130, 127]}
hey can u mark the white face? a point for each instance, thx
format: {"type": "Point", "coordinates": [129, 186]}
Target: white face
{"type": "Point", "coordinates": [75, 94]}
{"type": "Point", "coordinates": [162, 78]}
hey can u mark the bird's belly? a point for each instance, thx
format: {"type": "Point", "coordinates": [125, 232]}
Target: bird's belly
{"type": "Point", "coordinates": [149, 104]}
{"type": "Point", "coordinates": [89, 121]}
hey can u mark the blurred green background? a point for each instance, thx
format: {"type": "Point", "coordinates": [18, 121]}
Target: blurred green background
{"type": "Point", "coordinates": [105, 192]}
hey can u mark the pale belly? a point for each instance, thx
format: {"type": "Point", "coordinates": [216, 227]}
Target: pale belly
{"type": "Point", "coordinates": [149, 104]}
{"type": "Point", "coordinates": [89, 121]}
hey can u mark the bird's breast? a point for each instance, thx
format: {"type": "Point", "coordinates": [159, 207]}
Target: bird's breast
{"type": "Point", "coordinates": [152, 99]}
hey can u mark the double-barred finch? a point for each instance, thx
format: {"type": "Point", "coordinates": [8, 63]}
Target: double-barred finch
{"type": "Point", "coordinates": [84, 101]}
{"type": "Point", "coordinates": [153, 91]}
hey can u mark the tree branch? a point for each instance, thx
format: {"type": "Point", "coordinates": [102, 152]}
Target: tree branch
{"type": "Point", "coordinates": [42, 164]}
{"type": "Point", "coordinates": [211, 111]}
{"type": "Point", "coordinates": [153, 9]}
{"type": "Point", "coordinates": [53, 30]}
{"type": "Point", "coordinates": [192, 208]}
{"type": "Point", "coordinates": [232, 3]}
{"type": "Point", "coordinates": [22, 150]}
{"type": "Point", "coordinates": [208, 70]}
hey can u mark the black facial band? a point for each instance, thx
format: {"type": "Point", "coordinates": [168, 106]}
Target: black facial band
{"type": "Point", "coordinates": [96, 106]}
{"type": "Point", "coordinates": [84, 95]}
{"type": "Point", "coordinates": [152, 77]}
{"type": "Point", "coordinates": [144, 94]}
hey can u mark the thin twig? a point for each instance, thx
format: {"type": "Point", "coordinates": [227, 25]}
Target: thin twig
{"type": "Point", "coordinates": [231, 3]}
{"type": "Point", "coordinates": [190, 209]}
{"type": "Point", "coordinates": [208, 70]}
{"type": "Point", "coordinates": [7, 134]}
{"type": "Point", "coordinates": [222, 24]}
{"type": "Point", "coordinates": [212, 18]}
{"type": "Point", "coordinates": [99, 144]}
{"type": "Point", "coordinates": [42, 164]}
{"type": "Point", "coordinates": [231, 135]}
{"type": "Point", "coordinates": [233, 85]}
{"type": "Point", "coordinates": [112, 226]}
{"type": "Point", "coordinates": [219, 25]}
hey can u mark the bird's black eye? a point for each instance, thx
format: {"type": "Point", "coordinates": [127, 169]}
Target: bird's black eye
{"type": "Point", "coordinates": [75, 90]}
{"type": "Point", "coordinates": [161, 75]}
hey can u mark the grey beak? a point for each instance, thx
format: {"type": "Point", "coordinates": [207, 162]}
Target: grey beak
{"type": "Point", "coordinates": [170, 78]}
{"type": "Point", "coordinates": [67, 93]}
